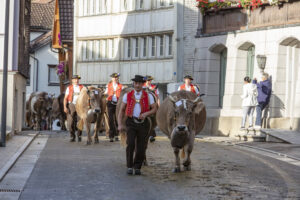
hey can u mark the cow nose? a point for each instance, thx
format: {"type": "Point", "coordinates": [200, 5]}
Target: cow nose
{"type": "Point", "coordinates": [50, 108]}
{"type": "Point", "coordinates": [97, 110]}
{"type": "Point", "coordinates": [181, 128]}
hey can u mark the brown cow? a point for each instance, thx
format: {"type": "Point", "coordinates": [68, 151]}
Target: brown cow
{"type": "Point", "coordinates": [58, 111]}
{"type": "Point", "coordinates": [151, 119]}
{"type": "Point", "coordinates": [38, 108]}
{"type": "Point", "coordinates": [90, 109]}
{"type": "Point", "coordinates": [181, 116]}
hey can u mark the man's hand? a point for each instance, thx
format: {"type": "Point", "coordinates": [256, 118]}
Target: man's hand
{"type": "Point", "coordinates": [65, 109]}
{"type": "Point", "coordinates": [143, 116]}
{"type": "Point", "coordinates": [121, 127]}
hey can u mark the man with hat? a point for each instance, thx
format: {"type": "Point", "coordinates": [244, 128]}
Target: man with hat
{"type": "Point", "coordinates": [137, 105]}
{"type": "Point", "coordinates": [113, 91]}
{"type": "Point", "coordinates": [154, 89]}
{"type": "Point", "coordinates": [188, 86]}
{"type": "Point", "coordinates": [70, 99]}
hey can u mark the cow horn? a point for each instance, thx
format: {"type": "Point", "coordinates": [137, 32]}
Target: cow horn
{"type": "Point", "coordinates": [196, 100]}
{"type": "Point", "coordinates": [172, 98]}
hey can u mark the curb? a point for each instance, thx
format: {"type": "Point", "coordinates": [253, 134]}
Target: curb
{"type": "Point", "coordinates": [4, 170]}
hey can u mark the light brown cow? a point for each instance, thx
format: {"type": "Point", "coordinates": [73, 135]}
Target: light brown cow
{"type": "Point", "coordinates": [90, 109]}
{"type": "Point", "coordinates": [181, 116]}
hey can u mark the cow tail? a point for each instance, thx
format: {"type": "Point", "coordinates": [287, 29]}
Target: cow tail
{"type": "Point", "coordinates": [80, 124]}
{"type": "Point", "coordinates": [123, 136]}
{"type": "Point", "coordinates": [182, 153]}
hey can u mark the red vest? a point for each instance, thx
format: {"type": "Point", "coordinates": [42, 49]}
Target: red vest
{"type": "Point", "coordinates": [144, 102]}
{"type": "Point", "coordinates": [111, 92]}
{"type": "Point", "coordinates": [71, 92]}
{"type": "Point", "coordinates": [152, 87]}
{"type": "Point", "coordinates": [182, 87]}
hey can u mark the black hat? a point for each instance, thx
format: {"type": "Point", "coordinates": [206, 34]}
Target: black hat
{"type": "Point", "coordinates": [149, 78]}
{"type": "Point", "coordinates": [76, 77]}
{"type": "Point", "coordinates": [188, 76]}
{"type": "Point", "coordinates": [115, 75]}
{"type": "Point", "coordinates": [139, 78]}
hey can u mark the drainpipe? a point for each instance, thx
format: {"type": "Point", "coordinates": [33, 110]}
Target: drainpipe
{"type": "Point", "coordinates": [37, 73]}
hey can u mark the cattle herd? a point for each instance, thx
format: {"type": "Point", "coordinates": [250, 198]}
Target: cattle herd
{"type": "Point", "coordinates": [181, 116]}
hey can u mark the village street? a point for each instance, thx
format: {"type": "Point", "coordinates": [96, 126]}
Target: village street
{"type": "Point", "coordinates": [65, 170]}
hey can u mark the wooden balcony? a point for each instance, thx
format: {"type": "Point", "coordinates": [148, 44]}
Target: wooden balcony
{"type": "Point", "coordinates": [232, 19]}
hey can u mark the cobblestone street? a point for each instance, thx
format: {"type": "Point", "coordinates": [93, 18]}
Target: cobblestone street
{"type": "Point", "coordinates": [75, 171]}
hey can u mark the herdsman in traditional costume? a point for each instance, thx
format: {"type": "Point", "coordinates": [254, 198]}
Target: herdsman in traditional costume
{"type": "Point", "coordinates": [188, 86]}
{"type": "Point", "coordinates": [113, 91]}
{"type": "Point", "coordinates": [148, 84]}
{"type": "Point", "coordinates": [70, 100]}
{"type": "Point", "coordinates": [137, 105]}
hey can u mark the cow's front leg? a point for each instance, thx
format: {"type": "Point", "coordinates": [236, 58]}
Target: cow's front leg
{"type": "Point", "coordinates": [177, 160]}
{"type": "Point", "coordinates": [38, 122]}
{"type": "Point", "coordinates": [188, 148]}
{"type": "Point", "coordinates": [88, 131]}
{"type": "Point", "coordinates": [96, 129]}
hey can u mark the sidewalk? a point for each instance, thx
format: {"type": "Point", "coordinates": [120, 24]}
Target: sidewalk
{"type": "Point", "coordinates": [15, 146]}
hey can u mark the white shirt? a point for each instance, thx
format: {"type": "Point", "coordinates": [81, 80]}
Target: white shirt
{"type": "Point", "coordinates": [76, 89]}
{"type": "Point", "coordinates": [137, 106]}
{"type": "Point", "coordinates": [114, 97]}
{"type": "Point", "coordinates": [188, 88]}
{"type": "Point", "coordinates": [249, 95]}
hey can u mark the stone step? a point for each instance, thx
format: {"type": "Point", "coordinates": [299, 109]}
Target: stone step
{"type": "Point", "coordinates": [251, 135]}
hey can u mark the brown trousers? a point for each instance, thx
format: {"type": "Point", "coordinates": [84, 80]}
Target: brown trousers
{"type": "Point", "coordinates": [72, 119]}
{"type": "Point", "coordinates": [136, 143]}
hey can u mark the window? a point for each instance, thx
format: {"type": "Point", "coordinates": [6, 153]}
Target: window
{"type": "Point", "coordinates": [171, 2]}
{"type": "Point", "coordinates": [144, 53]}
{"type": "Point", "coordinates": [103, 49]}
{"type": "Point", "coordinates": [136, 47]}
{"type": "Point", "coordinates": [91, 6]}
{"type": "Point", "coordinates": [153, 46]}
{"type": "Point", "coordinates": [128, 48]}
{"type": "Point", "coordinates": [104, 6]}
{"type": "Point", "coordinates": [170, 45]}
{"type": "Point", "coordinates": [85, 8]}
{"type": "Point", "coordinates": [161, 45]}
{"type": "Point", "coordinates": [113, 48]}
{"type": "Point", "coordinates": [250, 61]}
{"type": "Point", "coordinates": [223, 63]}
{"type": "Point", "coordinates": [97, 7]}
{"type": "Point", "coordinates": [83, 51]}
{"type": "Point", "coordinates": [125, 5]}
{"type": "Point", "coordinates": [53, 78]}
{"type": "Point", "coordinates": [139, 4]}
{"type": "Point", "coordinates": [162, 3]}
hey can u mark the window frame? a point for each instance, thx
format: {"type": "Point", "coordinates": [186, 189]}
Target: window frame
{"type": "Point", "coordinates": [52, 66]}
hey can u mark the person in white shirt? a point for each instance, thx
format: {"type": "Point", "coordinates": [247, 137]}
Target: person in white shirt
{"type": "Point", "coordinates": [70, 100]}
{"type": "Point", "coordinates": [137, 105]}
{"type": "Point", "coordinates": [249, 103]}
{"type": "Point", "coordinates": [188, 86]}
{"type": "Point", "coordinates": [113, 92]}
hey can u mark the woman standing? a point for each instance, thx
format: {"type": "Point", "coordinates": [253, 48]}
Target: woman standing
{"type": "Point", "coordinates": [249, 101]}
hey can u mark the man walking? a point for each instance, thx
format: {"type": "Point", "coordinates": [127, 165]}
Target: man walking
{"type": "Point", "coordinates": [137, 105]}
{"type": "Point", "coordinates": [264, 89]}
{"type": "Point", "coordinates": [113, 91]}
{"type": "Point", "coordinates": [188, 86]}
{"type": "Point", "coordinates": [70, 99]}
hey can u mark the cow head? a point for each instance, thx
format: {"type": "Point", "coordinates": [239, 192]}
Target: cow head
{"type": "Point", "coordinates": [184, 110]}
{"type": "Point", "coordinates": [94, 98]}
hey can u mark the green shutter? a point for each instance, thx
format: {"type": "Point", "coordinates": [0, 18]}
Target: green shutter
{"type": "Point", "coordinates": [250, 61]}
{"type": "Point", "coordinates": [223, 62]}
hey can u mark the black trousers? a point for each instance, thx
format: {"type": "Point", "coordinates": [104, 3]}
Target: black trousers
{"type": "Point", "coordinates": [111, 109]}
{"type": "Point", "coordinates": [136, 143]}
{"type": "Point", "coordinates": [72, 119]}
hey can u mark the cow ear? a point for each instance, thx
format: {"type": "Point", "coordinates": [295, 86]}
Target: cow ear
{"type": "Point", "coordinates": [198, 107]}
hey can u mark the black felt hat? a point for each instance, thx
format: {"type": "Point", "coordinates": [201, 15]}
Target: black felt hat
{"type": "Point", "coordinates": [115, 75]}
{"type": "Point", "coordinates": [76, 77]}
{"type": "Point", "coordinates": [139, 78]}
{"type": "Point", "coordinates": [188, 76]}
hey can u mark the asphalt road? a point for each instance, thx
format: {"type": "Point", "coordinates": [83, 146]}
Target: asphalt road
{"type": "Point", "coordinates": [74, 171]}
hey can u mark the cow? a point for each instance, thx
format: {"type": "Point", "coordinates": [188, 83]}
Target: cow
{"type": "Point", "coordinates": [181, 116]}
{"type": "Point", "coordinates": [151, 119]}
{"type": "Point", "coordinates": [58, 111]}
{"type": "Point", "coordinates": [38, 108]}
{"type": "Point", "coordinates": [90, 109]}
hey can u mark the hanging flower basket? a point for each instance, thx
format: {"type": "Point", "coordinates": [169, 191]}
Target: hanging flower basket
{"type": "Point", "coordinates": [62, 69]}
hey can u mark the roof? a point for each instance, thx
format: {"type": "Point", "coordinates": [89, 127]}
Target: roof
{"type": "Point", "coordinates": [42, 14]}
{"type": "Point", "coordinates": [40, 41]}
{"type": "Point", "coordinates": [66, 20]}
